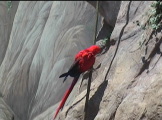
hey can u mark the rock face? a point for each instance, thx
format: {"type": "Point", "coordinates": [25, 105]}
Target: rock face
{"type": "Point", "coordinates": [117, 94]}
{"type": "Point", "coordinates": [45, 37]}
{"type": "Point", "coordinates": [5, 112]}
{"type": "Point", "coordinates": [42, 42]}
{"type": "Point", "coordinates": [6, 20]}
{"type": "Point", "coordinates": [109, 10]}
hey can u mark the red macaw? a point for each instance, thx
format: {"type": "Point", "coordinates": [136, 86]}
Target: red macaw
{"type": "Point", "coordinates": [84, 60]}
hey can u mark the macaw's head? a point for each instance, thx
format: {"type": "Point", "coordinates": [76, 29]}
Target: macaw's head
{"type": "Point", "coordinates": [94, 49]}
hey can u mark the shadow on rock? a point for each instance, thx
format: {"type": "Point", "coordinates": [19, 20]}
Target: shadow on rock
{"type": "Point", "coordinates": [95, 100]}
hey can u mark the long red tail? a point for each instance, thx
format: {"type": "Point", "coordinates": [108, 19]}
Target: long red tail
{"type": "Point", "coordinates": [66, 96]}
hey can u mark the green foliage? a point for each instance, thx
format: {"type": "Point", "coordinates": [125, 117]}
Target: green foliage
{"type": "Point", "coordinates": [154, 21]}
{"type": "Point", "coordinates": [156, 15]}
{"type": "Point", "coordinates": [105, 41]}
{"type": "Point", "coordinates": [9, 5]}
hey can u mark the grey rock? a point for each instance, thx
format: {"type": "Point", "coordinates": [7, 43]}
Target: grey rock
{"type": "Point", "coordinates": [42, 42]}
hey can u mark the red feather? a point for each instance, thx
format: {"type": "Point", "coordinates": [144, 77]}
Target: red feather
{"type": "Point", "coordinates": [66, 96]}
